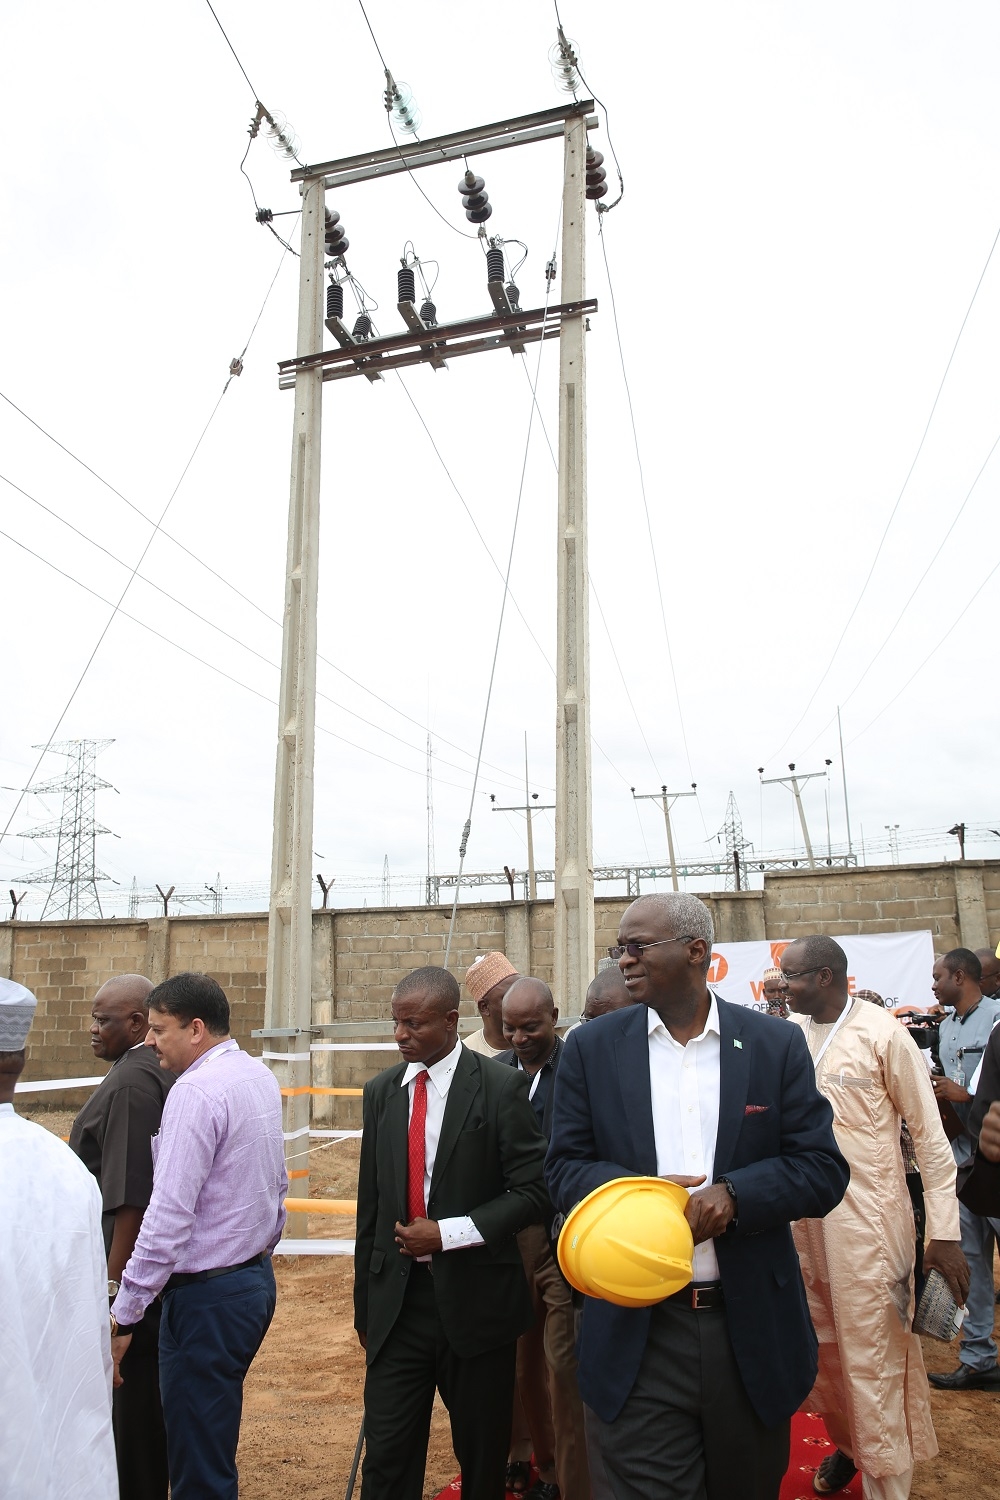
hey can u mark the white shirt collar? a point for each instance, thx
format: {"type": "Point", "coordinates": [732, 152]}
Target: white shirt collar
{"type": "Point", "coordinates": [655, 1025]}
{"type": "Point", "coordinates": [439, 1073]}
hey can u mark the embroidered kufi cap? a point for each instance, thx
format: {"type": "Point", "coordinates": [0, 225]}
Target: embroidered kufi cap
{"type": "Point", "coordinates": [487, 970]}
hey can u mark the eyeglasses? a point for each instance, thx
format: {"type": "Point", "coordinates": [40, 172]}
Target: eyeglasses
{"type": "Point", "coordinates": [801, 973]}
{"type": "Point", "coordinates": [635, 950]}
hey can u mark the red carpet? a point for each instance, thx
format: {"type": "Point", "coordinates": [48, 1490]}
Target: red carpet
{"type": "Point", "coordinates": [810, 1445]}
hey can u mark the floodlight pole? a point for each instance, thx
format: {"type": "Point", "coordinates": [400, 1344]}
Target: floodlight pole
{"type": "Point", "coordinates": [288, 1002]}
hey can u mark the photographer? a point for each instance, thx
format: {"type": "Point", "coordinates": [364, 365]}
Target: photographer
{"type": "Point", "coordinates": [962, 1038]}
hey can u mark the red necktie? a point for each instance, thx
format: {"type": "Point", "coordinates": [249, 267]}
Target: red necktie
{"type": "Point", "coordinates": [416, 1151]}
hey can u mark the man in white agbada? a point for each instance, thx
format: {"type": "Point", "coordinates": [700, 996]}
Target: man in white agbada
{"type": "Point", "coordinates": [857, 1263]}
{"type": "Point", "coordinates": [56, 1441]}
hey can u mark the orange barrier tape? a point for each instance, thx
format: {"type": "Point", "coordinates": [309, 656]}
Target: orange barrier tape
{"type": "Point", "coordinates": [346, 1206]}
{"type": "Point", "coordinates": [303, 1172]}
{"type": "Point", "coordinates": [309, 1089]}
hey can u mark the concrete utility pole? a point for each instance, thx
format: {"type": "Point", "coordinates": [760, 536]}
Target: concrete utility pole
{"type": "Point", "coordinates": [288, 1003]}
{"type": "Point", "coordinates": [531, 805]}
{"type": "Point", "coordinates": [667, 800]}
{"type": "Point", "coordinates": [793, 783]}
{"type": "Point", "coordinates": [573, 955]}
{"type": "Point", "coordinates": [288, 1006]}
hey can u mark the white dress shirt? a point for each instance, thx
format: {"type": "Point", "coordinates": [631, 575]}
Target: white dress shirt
{"type": "Point", "coordinates": [458, 1233]}
{"type": "Point", "coordinates": [684, 1084]}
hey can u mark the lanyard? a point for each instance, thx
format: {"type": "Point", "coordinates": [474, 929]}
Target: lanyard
{"type": "Point", "coordinates": [837, 1025]}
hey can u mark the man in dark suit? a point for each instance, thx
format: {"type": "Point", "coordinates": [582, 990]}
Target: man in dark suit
{"type": "Point", "coordinates": [694, 1396]}
{"type": "Point", "coordinates": [451, 1169]}
{"type": "Point", "coordinates": [546, 1353]}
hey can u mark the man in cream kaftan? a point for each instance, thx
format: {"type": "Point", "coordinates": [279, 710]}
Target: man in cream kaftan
{"type": "Point", "coordinates": [857, 1263]}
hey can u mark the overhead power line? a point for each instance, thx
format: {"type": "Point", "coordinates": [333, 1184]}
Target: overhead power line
{"type": "Point", "coordinates": [649, 523]}
{"type": "Point", "coordinates": [232, 50]}
{"type": "Point", "coordinates": [931, 653]}
{"type": "Point", "coordinates": [194, 655]}
{"type": "Point", "coordinates": [913, 594]}
{"type": "Point", "coordinates": [496, 649]}
{"type": "Point", "coordinates": [227, 583]}
{"type": "Point", "coordinates": [228, 635]}
{"type": "Point", "coordinates": [892, 514]}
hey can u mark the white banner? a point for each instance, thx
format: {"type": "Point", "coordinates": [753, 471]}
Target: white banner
{"type": "Point", "coordinates": [896, 965]}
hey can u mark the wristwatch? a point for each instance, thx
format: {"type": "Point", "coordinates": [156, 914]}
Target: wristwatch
{"type": "Point", "coordinates": [120, 1330]}
{"type": "Point", "coordinates": [114, 1287]}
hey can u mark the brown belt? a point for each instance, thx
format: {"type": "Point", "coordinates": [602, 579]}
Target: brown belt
{"type": "Point", "coordinates": [700, 1298]}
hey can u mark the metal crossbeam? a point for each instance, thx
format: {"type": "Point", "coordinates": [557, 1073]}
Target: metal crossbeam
{"type": "Point", "coordinates": [444, 341]}
{"type": "Point", "coordinates": [542, 126]}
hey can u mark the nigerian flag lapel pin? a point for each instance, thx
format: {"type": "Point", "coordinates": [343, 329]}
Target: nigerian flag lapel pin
{"type": "Point", "coordinates": [737, 1043]}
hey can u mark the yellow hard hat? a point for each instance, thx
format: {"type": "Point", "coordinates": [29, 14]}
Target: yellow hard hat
{"type": "Point", "coordinates": [628, 1242]}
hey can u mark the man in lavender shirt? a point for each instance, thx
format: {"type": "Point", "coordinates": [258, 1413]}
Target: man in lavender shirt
{"type": "Point", "coordinates": [216, 1214]}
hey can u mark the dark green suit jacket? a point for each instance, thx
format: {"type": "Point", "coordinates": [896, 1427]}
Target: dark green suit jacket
{"type": "Point", "coordinates": [488, 1165]}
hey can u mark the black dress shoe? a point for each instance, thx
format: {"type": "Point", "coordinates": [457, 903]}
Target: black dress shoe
{"type": "Point", "coordinates": [967, 1379]}
{"type": "Point", "coordinates": [542, 1491]}
{"type": "Point", "coordinates": [834, 1473]}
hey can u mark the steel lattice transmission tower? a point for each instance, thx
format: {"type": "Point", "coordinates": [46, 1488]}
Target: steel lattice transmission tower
{"type": "Point", "coordinates": [73, 880]}
{"type": "Point", "coordinates": [736, 844]}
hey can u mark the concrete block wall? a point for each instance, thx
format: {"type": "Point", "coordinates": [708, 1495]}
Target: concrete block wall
{"type": "Point", "coordinates": [358, 956]}
{"type": "Point", "coordinates": [948, 900]}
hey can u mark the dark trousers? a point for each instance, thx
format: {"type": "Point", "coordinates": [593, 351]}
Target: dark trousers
{"type": "Point", "coordinates": [209, 1334]}
{"type": "Point", "coordinates": [137, 1417]}
{"type": "Point", "coordinates": [688, 1429]}
{"type": "Point", "coordinates": [415, 1360]}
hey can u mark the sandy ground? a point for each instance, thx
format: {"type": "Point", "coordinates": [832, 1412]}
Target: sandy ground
{"type": "Point", "coordinates": [303, 1400]}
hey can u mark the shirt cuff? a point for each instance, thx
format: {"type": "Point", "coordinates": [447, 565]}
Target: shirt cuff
{"type": "Point", "coordinates": [129, 1307]}
{"type": "Point", "coordinates": [459, 1233]}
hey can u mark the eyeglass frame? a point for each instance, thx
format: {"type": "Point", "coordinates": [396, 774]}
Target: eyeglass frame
{"type": "Point", "coordinates": [621, 948]}
{"type": "Point", "coordinates": [801, 973]}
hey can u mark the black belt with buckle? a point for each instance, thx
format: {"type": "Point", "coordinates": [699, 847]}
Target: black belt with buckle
{"type": "Point", "coordinates": [700, 1298]}
{"type": "Point", "coordinates": [188, 1278]}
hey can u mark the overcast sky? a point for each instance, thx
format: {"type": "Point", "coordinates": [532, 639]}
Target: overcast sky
{"type": "Point", "coordinates": [811, 197]}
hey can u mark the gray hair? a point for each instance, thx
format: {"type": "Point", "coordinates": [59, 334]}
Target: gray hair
{"type": "Point", "coordinates": [683, 913]}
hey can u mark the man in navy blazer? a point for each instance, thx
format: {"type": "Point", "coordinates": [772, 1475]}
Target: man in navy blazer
{"type": "Point", "coordinates": [694, 1396]}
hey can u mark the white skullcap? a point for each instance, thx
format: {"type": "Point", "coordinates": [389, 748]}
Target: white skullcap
{"type": "Point", "coordinates": [17, 1009]}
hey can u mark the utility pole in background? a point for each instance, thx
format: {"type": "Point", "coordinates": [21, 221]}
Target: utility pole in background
{"type": "Point", "coordinates": [793, 784]}
{"type": "Point", "coordinates": [667, 800]}
{"type": "Point", "coordinates": [843, 773]}
{"type": "Point", "coordinates": [531, 805]}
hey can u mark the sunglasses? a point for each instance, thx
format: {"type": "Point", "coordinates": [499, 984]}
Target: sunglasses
{"type": "Point", "coordinates": [635, 950]}
{"type": "Point", "coordinates": [801, 973]}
